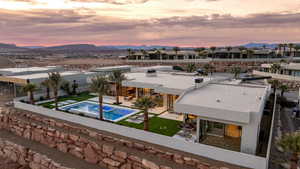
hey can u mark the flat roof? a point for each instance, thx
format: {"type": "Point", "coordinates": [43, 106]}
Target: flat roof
{"type": "Point", "coordinates": [227, 97]}
{"type": "Point", "coordinates": [224, 102]}
{"type": "Point", "coordinates": [28, 69]}
{"type": "Point", "coordinates": [162, 81]}
{"type": "Point", "coordinates": [45, 75]}
{"type": "Point", "coordinates": [110, 68]}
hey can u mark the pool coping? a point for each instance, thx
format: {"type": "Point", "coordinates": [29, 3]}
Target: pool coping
{"type": "Point", "coordinates": [136, 111]}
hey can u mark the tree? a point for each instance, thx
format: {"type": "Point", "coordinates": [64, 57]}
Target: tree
{"type": "Point", "coordinates": [191, 67]}
{"type": "Point", "coordinates": [291, 46]}
{"type": "Point", "coordinates": [236, 70]}
{"type": "Point", "coordinates": [176, 50]}
{"type": "Point", "coordinates": [229, 48]}
{"type": "Point", "coordinates": [46, 84]}
{"type": "Point", "coordinates": [30, 88]}
{"type": "Point", "coordinates": [284, 49]}
{"type": "Point", "coordinates": [280, 47]}
{"type": "Point", "coordinates": [145, 103]}
{"type": "Point", "coordinates": [208, 68]}
{"type": "Point", "coordinates": [117, 77]}
{"type": "Point", "coordinates": [199, 51]}
{"type": "Point", "coordinates": [65, 86]}
{"type": "Point", "coordinates": [55, 81]}
{"type": "Point", "coordinates": [74, 87]}
{"type": "Point", "coordinates": [250, 53]}
{"type": "Point", "coordinates": [275, 67]}
{"type": "Point", "coordinates": [275, 84]}
{"type": "Point", "coordinates": [291, 143]}
{"type": "Point", "coordinates": [283, 88]}
{"type": "Point", "coordinates": [213, 49]}
{"type": "Point", "coordinates": [297, 49]}
{"type": "Point", "coordinates": [100, 85]}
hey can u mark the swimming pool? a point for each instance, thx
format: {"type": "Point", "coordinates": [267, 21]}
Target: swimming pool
{"type": "Point", "coordinates": [110, 112]}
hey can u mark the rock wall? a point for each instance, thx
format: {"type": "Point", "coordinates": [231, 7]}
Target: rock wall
{"type": "Point", "coordinates": [99, 148]}
{"type": "Point", "coordinates": [26, 157]}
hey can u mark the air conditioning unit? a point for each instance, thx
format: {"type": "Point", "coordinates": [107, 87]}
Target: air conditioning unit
{"type": "Point", "coordinates": [199, 80]}
{"type": "Point", "coordinates": [151, 73]}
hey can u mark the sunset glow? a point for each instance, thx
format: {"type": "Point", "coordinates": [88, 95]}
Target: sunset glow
{"type": "Point", "coordinates": [138, 22]}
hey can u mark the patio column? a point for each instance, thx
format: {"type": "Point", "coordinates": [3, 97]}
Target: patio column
{"type": "Point", "coordinates": [198, 130]}
{"type": "Point", "coordinates": [165, 100]}
{"type": "Point", "coordinates": [137, 92]}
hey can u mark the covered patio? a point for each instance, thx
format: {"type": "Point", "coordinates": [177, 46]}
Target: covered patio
{"type": "Point", "coordinates": [221, 121]}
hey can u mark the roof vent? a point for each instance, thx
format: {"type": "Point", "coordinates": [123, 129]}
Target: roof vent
{"type": "Point", "coordinates": [218, 100]}
{"type": "Point", "coordinates": [151, 73]}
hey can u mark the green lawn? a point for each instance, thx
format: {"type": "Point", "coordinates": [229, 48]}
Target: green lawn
{"type": "Point", "coordinates": [80, 97]}
{"type": "Point", "coordinates": [156, 125]}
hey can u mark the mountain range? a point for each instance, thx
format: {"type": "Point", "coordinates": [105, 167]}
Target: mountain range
{"type": "Point", "coordinates": [93, 48]}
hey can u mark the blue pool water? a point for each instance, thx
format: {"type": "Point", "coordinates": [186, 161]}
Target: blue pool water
{"type": "Point", "coordinates": [110, 112]}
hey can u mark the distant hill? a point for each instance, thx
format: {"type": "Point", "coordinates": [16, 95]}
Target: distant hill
{"type": "Point", "coordinates": [33, 47]}
{"type": "Point", "coordinates": [10, 48]}
{"type": "Point", "coordinates": [260, 45]}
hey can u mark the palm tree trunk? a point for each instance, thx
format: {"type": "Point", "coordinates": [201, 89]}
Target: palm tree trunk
{"type": "Point", "coordinates": [117, 93]}
{"type": "Point", "coordinates": [100, 107]}
{"type": "Point", "coordinates": [56, 99]}
{"type": "Point", "coordinates": [31, 97]}
{"type": "Point", "coordinates": [48, 93]}
{"type": "Point", "coordinates": [146, 120]}
{"type": "Point", "coordinates": [294, 161]}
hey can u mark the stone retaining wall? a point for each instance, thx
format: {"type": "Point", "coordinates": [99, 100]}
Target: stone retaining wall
{"type": "Point", "coordinates": [26, 157]}
{"type": "Point", "coordinates": [99, 150]}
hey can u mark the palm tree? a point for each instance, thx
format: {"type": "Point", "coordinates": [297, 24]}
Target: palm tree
{"type": "Point", "coordinates": [229, 48]}
{"type": "Point", "coordinates": [46, 84]}
{"type": "Point", "coordinates": [236, 70]}
{"type": "Point", "coordinates": [208, 68]}
{"type": "Point", "coordinates": [191, 67]}
{"type": "Point", "coordinates": [275, 67]}
{"type": "Point", "coordinates": [117, 77]}
{"type": "Point", "coordinates": [145, 103]}
{"type": "Point", "coordinates": [100, 85]}
{"type": "Point", "coordinates": [291, 143]}
{"type": "Point", "coordinates": [213, 49]}
{"type": "Point", "coordinates": [284, 48]}
{"type": "Point", "coordinates": [176, 50]}
{"type": "Point", "coordinates": [280, 47]}
{"type": "Point", "coordinates": [144, 52]}
{"type": "Point", "coordinates": [250, 53]}
{"type": "Point", "coordinates": [30, 88]}
{"type": "Point", "coordinates": [283, 88]}
{"type": "Point", "coordinates": [129, 52]}
{"type": "Point", "coordinates": [297, 49]}
{"type": "Point", "coordinates": [55, 82]}
{"type": "Point", "coordinates": [74, 87]}
{"type": "Point", "coordinates": [291, 46]}
{"type": "Point", "coordinates": [65, 86]}
{"type": "Point", "coordinates": [275, 84]}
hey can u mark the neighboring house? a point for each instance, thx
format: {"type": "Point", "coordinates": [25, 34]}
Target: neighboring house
{"type": "Point", "coordinates": [219, 53]}
{"type": "Point", "coordinates": [291, 69]}
{"type": "Point", "coordinates": [29, 70]}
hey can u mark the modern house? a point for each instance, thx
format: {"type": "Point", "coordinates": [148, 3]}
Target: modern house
{"type": "Point", "coordinates": [284, 71]}
{"type": "Point", "coordinates": [222, 110]}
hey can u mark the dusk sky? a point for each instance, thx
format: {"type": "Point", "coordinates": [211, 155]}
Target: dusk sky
{"type": "Point", "coordinates": [149, 22]}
